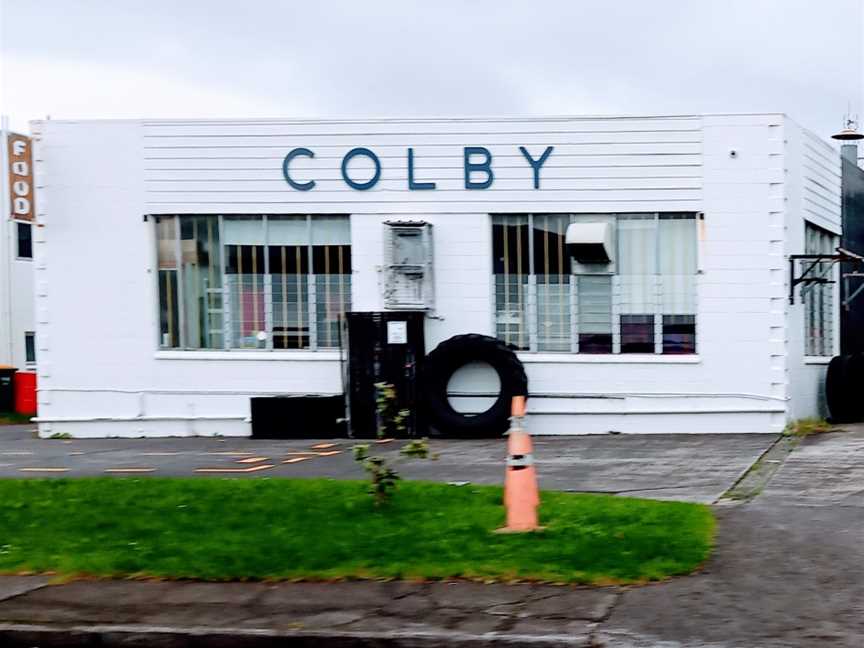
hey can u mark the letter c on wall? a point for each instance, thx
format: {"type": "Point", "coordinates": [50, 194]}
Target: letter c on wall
{"type": "Point", "coordinates": [299, 186]}
{"type": "Point", "coordinates": [371, 182]}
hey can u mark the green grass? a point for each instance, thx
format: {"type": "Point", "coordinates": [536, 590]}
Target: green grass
{"type": "Point", "coordinates": [807, 426]}
{"type": "Point", "coordinates": [319, 529]}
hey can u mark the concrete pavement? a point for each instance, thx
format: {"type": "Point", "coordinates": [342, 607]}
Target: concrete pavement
{"type": "Point", "coordinates": [661, 466]}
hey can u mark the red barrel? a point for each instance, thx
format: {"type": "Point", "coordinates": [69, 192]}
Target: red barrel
{"type": "Point", "coordinates": [25, 392]}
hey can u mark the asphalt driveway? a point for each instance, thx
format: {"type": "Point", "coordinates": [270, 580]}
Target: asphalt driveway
{"type": "Point", "coordinates": [688, 467]}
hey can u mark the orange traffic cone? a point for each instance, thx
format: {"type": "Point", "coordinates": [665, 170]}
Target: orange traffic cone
{"type": "Point", "coordinates": [521, 495]}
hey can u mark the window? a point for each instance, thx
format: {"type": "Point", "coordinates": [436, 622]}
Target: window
{"type": "Point", "coordinates": [253, 282]}
{"type": "Point", "coordinates": [819, 297]}
{"type": "Point", "coordinates": [30, 347]}
{"type": "Point", "coordinates": [642, 302]}
{"type": "Point", "coordinates": [25, 240]}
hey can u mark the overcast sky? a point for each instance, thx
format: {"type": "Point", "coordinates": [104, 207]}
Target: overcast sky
{"type": "Point", "coordinates": [332, 58]}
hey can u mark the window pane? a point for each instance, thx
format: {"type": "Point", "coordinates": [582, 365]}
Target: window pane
{"type": "Point", "coordinates": [637, 334]}
{"type": "Point", "coordinates": [511, 268]}
{"type": "Point", "coordinates": [679, 334]}
{"type": "Point", "coordinates": [332, 267]}
{"type": "Point", "coordinates": [244, 276]}
{"type": "Point", "coordinates": [677, 244]}
{"type": "Point", "coordinates": [637, 281]}
{"type": "Point", "coordinates": [553, 313]}
{"type": "Point", "coordinates": [25, 240]}
{"type": "Point", "coordinates": [594, 307]}
{"type": "Point", "coordinates": [552, 272]}
{"type": "Point", "coordinates": [202, 281]}
{"type": "Point", "coordinates": [169, 318]}
{"type": "Point", "coordinates": [166, 254]}
{"type": "Point", "coordinates": [291, 311]}
{"type": "Point", "coordinates": [331, 230]}
{"type": "Point", "coordinates": [287, 230]}
{"type": "Point", "coordinates": [30, 347]}
{"type": "Point", "coordinates": [637, 245]}
{"type": "Point", "coordinates": [678, 267]}
{"type": "Point", "coordinates": [245, 281]}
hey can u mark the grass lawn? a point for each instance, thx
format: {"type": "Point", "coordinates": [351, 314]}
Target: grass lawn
{"type": "Point", "coordinates": [234, 529]}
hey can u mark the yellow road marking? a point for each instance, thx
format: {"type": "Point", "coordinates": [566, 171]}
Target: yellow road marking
{"type": "Point", "coordinates": [44, 469]}
{"type": "Point", "coordinates": [323, 446]}
{"type": "Point", "coordinates": [129, 470]}
{"type": "Point", "coordinates": [295, 460]}
{"type": "Point", "coordinates": [329, 453]}
{"type": "Point", "coordinates": [252, 460]}
{"type": "Point", "coordinates": [301, 454]}
{"type": "Point", "coordinates": [235, 470]}
{"type": "Point", "coordinates": [384, 440]}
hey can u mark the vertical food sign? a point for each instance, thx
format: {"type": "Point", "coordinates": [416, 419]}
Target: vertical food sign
{"type": "Point", "coordinates": [21, 199]}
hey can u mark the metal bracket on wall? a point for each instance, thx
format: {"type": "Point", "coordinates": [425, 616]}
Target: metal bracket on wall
{"type": "Point", "coordinates": [808, 276]}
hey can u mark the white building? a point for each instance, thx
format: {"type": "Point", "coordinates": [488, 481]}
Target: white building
{"type": "Point", "coordinates": [688, 329]}
{"type": "Point", "coordinates": [17, 321]}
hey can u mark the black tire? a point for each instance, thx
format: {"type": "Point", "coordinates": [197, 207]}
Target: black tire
{"type": "Point", "coordinates": [854, 377]}
{"type": "Point", "coordinates": [455, 353]}
{"type": "Point", "coordinates": [838, 392]}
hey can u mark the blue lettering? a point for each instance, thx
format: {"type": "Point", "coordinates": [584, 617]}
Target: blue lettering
{"type": "Point", "coordinates": [299, 186]}
{"type": "Point", "coordinates": [536, 164]}
{"type": "Point", "coordinates": [478, 167]}
{"type": "Point", "coordinates": [361, 186]}
{"type": "Point", "coordinates": [412, 185]}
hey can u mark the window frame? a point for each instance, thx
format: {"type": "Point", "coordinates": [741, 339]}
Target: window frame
{"type": "Point", "coordinates": [532, 323]}
{"type": "Point", "coordinates": [182, 349]}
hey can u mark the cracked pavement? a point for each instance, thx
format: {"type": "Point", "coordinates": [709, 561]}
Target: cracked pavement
{"type": "Point", "coordinates": [788, 571]}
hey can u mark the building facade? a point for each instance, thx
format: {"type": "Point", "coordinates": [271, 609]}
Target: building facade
{"type": "Point", "coordinates": [17, 319]}
{"type": "Point", "coordinates": [184, 267]}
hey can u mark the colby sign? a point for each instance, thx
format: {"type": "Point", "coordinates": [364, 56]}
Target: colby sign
{"type": "Point", "coordinates": [476, 162]}
{"type": "Point", "coordinates": [21, 205]}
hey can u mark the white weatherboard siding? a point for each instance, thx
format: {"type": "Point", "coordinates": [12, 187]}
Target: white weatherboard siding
{"type": "Point", "coordinates": [813, 190]}
{"type": "Point", "coordinates": [101, 373]}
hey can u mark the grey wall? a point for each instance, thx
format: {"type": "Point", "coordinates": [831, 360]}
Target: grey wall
{"type": "Point", "coordinates": [852, 321]}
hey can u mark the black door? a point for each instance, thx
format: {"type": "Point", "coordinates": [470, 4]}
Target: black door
{"type": "Point", "coordinates": [384, 347]}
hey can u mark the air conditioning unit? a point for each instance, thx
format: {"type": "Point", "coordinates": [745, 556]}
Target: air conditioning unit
{"type": "Point", "coordinates": [591, 245]}
{"type": "Point", "coordinates": [408, 279]}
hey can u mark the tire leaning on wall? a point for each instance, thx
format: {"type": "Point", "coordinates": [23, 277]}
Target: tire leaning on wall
{"type": "Point", "coordinates": [455, 353]}
{"type": "Point", "coordinates": [844, 374]}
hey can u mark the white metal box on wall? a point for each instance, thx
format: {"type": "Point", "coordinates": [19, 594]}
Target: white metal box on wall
{"type": "Point", "coordinates": [316, 197]}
